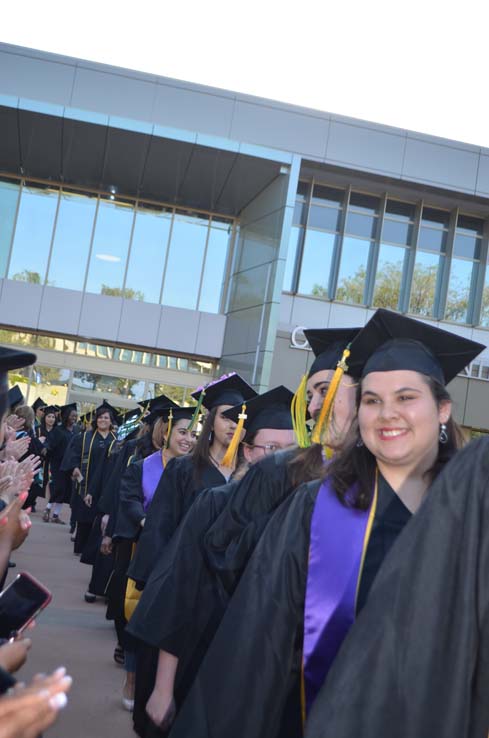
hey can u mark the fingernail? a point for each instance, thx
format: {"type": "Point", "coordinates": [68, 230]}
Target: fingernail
{"type": "Point", "coordinates": [59, 701]}
{"type": "Point", "coordinates": [60, 671]}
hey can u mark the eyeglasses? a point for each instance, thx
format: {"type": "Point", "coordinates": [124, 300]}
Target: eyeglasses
{"type": "Point", "coordinates": [268, 448]}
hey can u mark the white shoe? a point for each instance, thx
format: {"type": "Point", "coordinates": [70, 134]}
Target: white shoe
{"type": "Point", "coordinates": [128, 704]}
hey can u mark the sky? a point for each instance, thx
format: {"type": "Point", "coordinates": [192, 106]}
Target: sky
{"type": "Point", "coordinates": [420, 65]}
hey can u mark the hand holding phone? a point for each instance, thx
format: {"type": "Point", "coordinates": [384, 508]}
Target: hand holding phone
{"type": "Point", "coordinates": [20, 603]}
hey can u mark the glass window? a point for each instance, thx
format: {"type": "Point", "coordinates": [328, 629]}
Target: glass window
{"type": "Point", "coordinates": [316, 263]}
{"type": "Point", "coordinates": [18, 338]}
{"type": "Point", "coordinates": [300, 212]}
{"type": "Point", "coordinates": [326, 218]}
{"type": "Point", "coordinates": [72, 238]}
{"type": "Point", "coordinates": [471, 226]}
{"type": "Point", "coordinates": [397, 231]}
{"type": "Point", "coordinates": [215, 266]}
{"type": "Point", "coordinates": [400, 210]}
{"type": "Point", "coordinates": [484, 319]}
{"type": "Point", "coordinates": [109, 250]}
{"type": "Point", "coordinates": [9, 195]}
{"type": "Point", "coordinates": [353, 270]}
{"type": "Point", "coordinates": [423, 288]}
{"type": "Point", "coordinates": [148, 254]}
{"type": "Point", "coordinates": [364, 203]}
{"type": "Point", "coordinates": [467, 246]}
{"type": "Point", "coordinates": [174, 392]}
{"type": "Point", "coordinates": [327, 195]}
{"type": "Point", "coordinates": [433, 217]}
{"type": "Point", "coordinates": [51, 384]}
{"type": "Point", "coordinates": [432, 239]}
{"type": "Point", "coordinates": [33, 234]}
{"type": "Point", "coordinates": [303, 189]}
{"type": "Point", "coordinates": [361, 225]}
{"type": "Point", "coordinates": [294, 244]}
{"type": "Point", "coordinates": [184, 267]}
{"type": "Point", "coordinates": [462, 272]}
{"type": "Point", "coordinates": [389, 279]}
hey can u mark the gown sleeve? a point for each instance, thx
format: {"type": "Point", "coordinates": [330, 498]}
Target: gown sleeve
{"type": "Point", "coordinates": [253, 662]}
{"type": "Point", "coordinates": [130, 509]}
{"type": "Point", "coordinates": [72, 455]}
{"type": "Point", "coordinates": [416, 662]}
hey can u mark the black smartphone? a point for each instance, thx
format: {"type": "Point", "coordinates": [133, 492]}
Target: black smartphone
{"type": "Point", "coordinates": [20, 602]}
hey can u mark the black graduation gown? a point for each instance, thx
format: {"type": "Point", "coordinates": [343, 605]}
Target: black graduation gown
{"type": "Point", "coordinates": [56, 443]}
{"type": "Point", "coordinates": [416, 663]}
{"type": "Point", "coordinates": [254, 662]}
{"type": "Point", "coordinates": [176, 490]}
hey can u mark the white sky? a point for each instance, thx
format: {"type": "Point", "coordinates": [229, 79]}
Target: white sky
{"type": "Point", "coordinates": [421, 64]}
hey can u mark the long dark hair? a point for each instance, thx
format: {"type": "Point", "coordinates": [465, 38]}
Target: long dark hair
{"type": "Point", "coordinates": [355, 465]}
{"type": "Point", "coordinates": [306, 465]}
{"type": "Point", "coordinates": [200, 454]}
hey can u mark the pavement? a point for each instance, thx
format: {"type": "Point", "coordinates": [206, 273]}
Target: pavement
{"type": "Point", "coordinates": [74, 634]}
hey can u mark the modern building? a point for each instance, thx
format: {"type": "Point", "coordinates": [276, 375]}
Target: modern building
{"type": "Point", "coordinates": [154, 233]}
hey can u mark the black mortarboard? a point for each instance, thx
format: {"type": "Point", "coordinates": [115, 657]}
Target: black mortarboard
{"type": "Point", "coordinates": [162, 401]}
{"type": "Point", "coordinates": [391, 342]}
{"type": "Point", "coordinates": [328, 345]}
{"type": "Point", "coordinates": [14, 359]}
{"type": "Point", "coordinates": [107, 407]}
{"type": "Point", "coordinates": [269, 410]}
{"type": "Point", "coordinates": [38, 404]}
{"type": "Point", "coordinates": [50, 409]}
{"type": "Point", "coordinates": [65, 410]}
{"type": "Point", "coordinates": [88, 417]}
{"type": "Point", "coordinates": [14, 396]}
{"type": "Point", "coordinates": [162, 411]}
{"type": "Point", "coordinates": [230, 389]}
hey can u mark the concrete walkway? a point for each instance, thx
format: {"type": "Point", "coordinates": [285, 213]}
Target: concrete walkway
{"type": "Point", "coordinates": [73, 634]}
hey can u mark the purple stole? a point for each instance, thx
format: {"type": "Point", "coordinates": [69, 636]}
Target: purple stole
{"type": "Point", "coordinates": [152, 470]}
{"type": "Point", "coordinates": [339, 538]}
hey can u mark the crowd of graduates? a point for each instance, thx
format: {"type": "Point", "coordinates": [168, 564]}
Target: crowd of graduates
{"type": "Point", "coordinates": [284, 565]}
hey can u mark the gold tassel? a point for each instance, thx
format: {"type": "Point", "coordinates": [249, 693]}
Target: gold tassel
{"type": "Point", "coordinates": [327, 408]}
{"type": "Point", "coordinates": [195, 417]}
{"type": "Point", "coordinates": [298, 409]}
{"type": "Point", "coordinates": [168, 430]}
{"type": "Point", "coordinates": [230, 455]}
{"type": "Point", "coordinates": [143, 411]}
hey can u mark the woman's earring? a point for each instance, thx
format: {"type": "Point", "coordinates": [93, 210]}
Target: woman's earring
{"type": "Point", "coordinates": [359, 443]}
{"type": "Point", "coordinates": [443, 437]}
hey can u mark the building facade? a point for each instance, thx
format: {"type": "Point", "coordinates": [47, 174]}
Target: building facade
{"type": "Point", "coordinates": [154, 233]}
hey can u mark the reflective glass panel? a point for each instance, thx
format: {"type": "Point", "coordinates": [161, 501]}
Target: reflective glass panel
{"type": "Point", "coordinates": [353, 270]}
{"type": "Point", "coordinates": [397, 231]}
{"type": "Point", "coordinates": [316, 263]}
{"type": "Point", "coordinates": [18, 338]}
{"type": "Point", "coordinates": [51, 383]}
{"type": "Point", "coordinates": [423, 287]}
{"type": "Point", "coordinates": [172, 391]}
{"type": "Point", "coordinates": [303, 189]}
{"type": "Point", "coordinates": [432, 239]}
{"type": "Point", "coordinates": [33, 234]}
{"type": "Point", "coordinates": [215, 266]}
{"type": "Point", "coordinates": [388, 282]}
{"type": "Point", "coordinates": [185, 259]}
{"type": "Point", "coordinates": [109, 250]}
{"type": "Point", "coordinates": [459, 290]}
{"type": "Point", "coordinates": [361, 225]}
{"type": "Point", "coordinates": [432, 216]}
{"type": "Point", "coordinates": [148, 254]}
{"type": "Point", "coordinates": [484, 319]}
{"type": "Point", "coordinates": [9, 194]}
{"type": "Point", "coordinates": [467, 246]}
{"type": "Point", "coordinates": [71, 244]}
{"type": "Point", "coordinates": [471, 226]}
{"type": "Point", "coordinates": [402, 210]}
{"type": "Point", "coordinates": [295, 236]}
{"type": "Point", "coordinates": [300, 212]}
{"type": "Point", "coordinates": [327, 195]}
{"type": "Point", "coordinates": [364, 203]}
{"type": "Point", "coordinates": [326, 218]}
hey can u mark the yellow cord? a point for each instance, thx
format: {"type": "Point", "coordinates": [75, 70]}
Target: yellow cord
{"type": "Point", "coordinates": [298, 409]}
{"type": "Point", "coordinates": [229, 457]}
{"type": "Point", "coordinates": [327, 408]}
{"type": "Point", "coordinates": [169, 429]}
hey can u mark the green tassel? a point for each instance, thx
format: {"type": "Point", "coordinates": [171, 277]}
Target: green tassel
{"type": "Point", "coordinates": [195, 416]}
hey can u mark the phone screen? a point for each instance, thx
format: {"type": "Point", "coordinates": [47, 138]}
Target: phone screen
{"type": "Point", "coordinates": [18, 603]}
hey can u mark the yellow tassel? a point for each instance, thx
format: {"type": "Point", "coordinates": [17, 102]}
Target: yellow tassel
{"type": "Point", "coordinates": [143, 411]}
{"type": "Point", "coordinates": [298, 409]}
{"type": "Point", "coordinates": [195, 417]}
{"type": "Point", "coordinates": [168, 430]}
{"type": "Point", "coordinates": [230, 455]}
{"type": "Point", "coordinates": [327, 408]}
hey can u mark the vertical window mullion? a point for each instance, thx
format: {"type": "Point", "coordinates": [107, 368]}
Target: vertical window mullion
{"type": "Point", "coordinates": [336, 260]}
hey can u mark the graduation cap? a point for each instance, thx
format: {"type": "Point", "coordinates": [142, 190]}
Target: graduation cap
{"type": "Point", "coordinates": [38, 404]}
{"type": "Point", "coordinates": [14, 396]}
{"type": "Point", "coordinates": [269, 410]}
{"type": "Point", "coordinates": [107, 408]}
{"type": "Point", "coordinates": [50, 410]}
{"type": "Point", "coordinates": [173, 412]}
{"type": "Point", "coordinates": [230, 389]}
{"type": "Point", "coordinates": [391, 342]}
{"type": "Point", "coordinates": [162, 401]}
{"type": "Point", "coordinates": [328, 345]}
{"type": "Point", "coordinates": [65, 410]}
{"type": "Point", "coordinates": [87, 418]}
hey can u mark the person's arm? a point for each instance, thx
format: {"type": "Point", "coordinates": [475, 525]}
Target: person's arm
{"type": "Point", "coordinates": [161, 705]}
